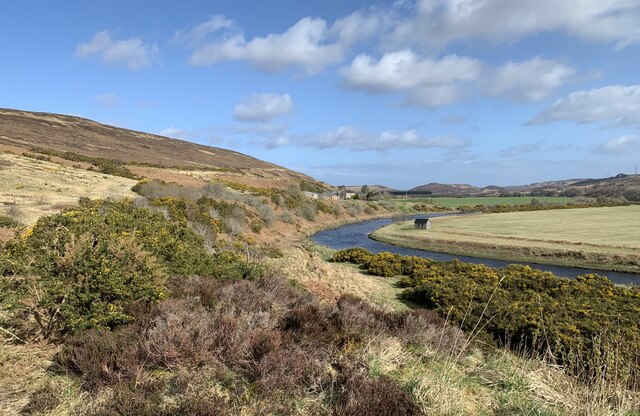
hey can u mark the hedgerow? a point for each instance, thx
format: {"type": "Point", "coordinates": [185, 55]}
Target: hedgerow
{"type": "Point", "coordinates": [536, 205]}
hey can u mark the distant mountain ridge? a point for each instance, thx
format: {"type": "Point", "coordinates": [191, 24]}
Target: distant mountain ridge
{"type": "Point", "coordinates": [621, 185]}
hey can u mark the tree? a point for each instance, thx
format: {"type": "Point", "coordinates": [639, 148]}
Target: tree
{"type": "Point", "coordinates": [536, 202]}
{"type": "Point", "coordinates": [365, 189]}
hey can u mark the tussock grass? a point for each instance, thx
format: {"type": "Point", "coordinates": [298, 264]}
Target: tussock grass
{"type": "Point", "coordinates": [331, 280]}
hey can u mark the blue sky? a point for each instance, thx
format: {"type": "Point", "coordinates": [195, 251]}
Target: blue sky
{"type": "Point", "coordinates": [399, 93]}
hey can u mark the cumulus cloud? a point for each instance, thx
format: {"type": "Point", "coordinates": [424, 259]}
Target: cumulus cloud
{"type": "Point", "coordinates": [617, 105]}
{"type": "Point", "coordinates": [108, 100]}
{"type": "Point", "coordinates": [528, 81]}
{"type": "Point", "coordinates": [440, 22]}
{"type": "Point", "coordinates": [621, 145]}
{"type": "Point", "coordinates": [424, 81]}
{"type": "Point", "coordinates": [132, 53]}
{"type": "Point", "coordinates": [263, 107]}
{"type": "Point", "coordinates": [431, 82]}
{"type": "Point", "coordinates": [359, 140]}
{"type": "Point", "coordinates": [310, 44]}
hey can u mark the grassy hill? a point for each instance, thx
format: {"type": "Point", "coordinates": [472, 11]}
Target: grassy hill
{"type": "Point", "coordinates": [62, 133]}
{"type": "Point", "coordinates": [48, 161]}
{"type": "Point", "coordinates": [80, 141]}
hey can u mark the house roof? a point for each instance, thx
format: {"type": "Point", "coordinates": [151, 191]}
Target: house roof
{"type": "Point", "coordinates": [420, 220]}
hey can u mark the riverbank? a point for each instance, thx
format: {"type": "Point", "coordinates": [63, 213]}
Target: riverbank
{"type": "Point", "coordinates": [594, 238]}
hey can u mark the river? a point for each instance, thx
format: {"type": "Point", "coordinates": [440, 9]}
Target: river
{"type": "Point", "coordinates": [357, 235]}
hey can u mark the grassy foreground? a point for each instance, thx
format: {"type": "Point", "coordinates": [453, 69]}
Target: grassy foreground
{"type": "Point", "coordinates": [599, 238]}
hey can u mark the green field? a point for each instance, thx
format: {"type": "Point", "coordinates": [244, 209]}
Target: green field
{"type": "Point", "coordinates": [600, 238]}
{"type": "Point", "coordinates": [487, 200]}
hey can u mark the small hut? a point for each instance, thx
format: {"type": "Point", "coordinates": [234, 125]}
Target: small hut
{"type": "Point", "coordinates": [422, 223]}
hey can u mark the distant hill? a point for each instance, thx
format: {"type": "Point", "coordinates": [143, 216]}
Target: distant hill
{"type": "Point", "coordinates": [440, 189]}
{"type": "Point", "coordinates": [374, 188]}
{"type": "Point", "coordinates": [27, 131]}
{"type": "Point", "coordinates": [621, 185]}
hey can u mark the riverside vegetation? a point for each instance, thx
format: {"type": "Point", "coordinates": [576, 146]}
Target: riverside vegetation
{"type": "Point", "coordinates": [164, 305]}
{"type": "Point", "coordinates": [589, 326]}
{"type": "Point", "coordinates": [148, 313]}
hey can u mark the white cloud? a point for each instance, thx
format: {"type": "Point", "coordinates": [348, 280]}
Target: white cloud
{"type": "Point", "coordinates": [263, 107]}
{"type": "Point", "coordinates": [311, 43]}
{"type": "Point", "coordinates": [440, 22]}
{"type": "Point", "coordinates": [528, 81]}
{"type": "Point", "coordinates": [621, 145]}
{"type": "Point", "coordinates": [617, 105]}
{"type": "Point", "coordinates": [267, 135]}
{"type": "Point", "coordinates": [358, 140]}
{"type": "Point", "coordinates": [132, 53]}
{"type": "Point", "coordinates": [424, 81]}
{"type": "Point", "coordinates": [108, 100]}
{"type": "Point", "coordinates": [194, 36]}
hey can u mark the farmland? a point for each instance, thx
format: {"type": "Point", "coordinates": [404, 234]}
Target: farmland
{"type": "Point", "coordinates": [473, 201]}
{"type": "Point", "coordinates": [599, 238]}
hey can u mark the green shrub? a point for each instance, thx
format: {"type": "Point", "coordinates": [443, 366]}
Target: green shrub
{"type": "Point", "coordinates": [294, 197]}
{"type": "Point", "coordinates": [103, 165]}
{"type": "Point", "coordinates": [8, 222]}
{"type": "Point", "coordinates": [352, 255]}
{"type": "Point", "coordinates": [287, 217]}
{"type": "Point", "coordinates": [83, 267]}
{"type": "Point", "coordinates": [312, 187]}
{"type": "Point", "coordinates": [385, 264]}
{"type": "Point", "coordinates": [308, 211]}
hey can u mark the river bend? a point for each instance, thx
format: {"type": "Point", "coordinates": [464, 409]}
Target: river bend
{"type": "Point", "coordinates": [357, 235]}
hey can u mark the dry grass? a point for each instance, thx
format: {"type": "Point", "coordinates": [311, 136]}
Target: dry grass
{"type": "Point", "coordinates": [37, 188]}
{"type": "Point", "coordinates": [332, 280]}
{"type": "Point", "coordinates": [6, 234]}
{"type": "Point", "coordinates": [607, 227]}
{"type": "Point", "coordinates": [28, 387]}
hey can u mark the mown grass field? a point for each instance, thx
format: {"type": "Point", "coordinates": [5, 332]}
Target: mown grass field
{"type": "Point", "coordinates": [600, 238]}
{"type": "Point", "coordinates": [473, 201]}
